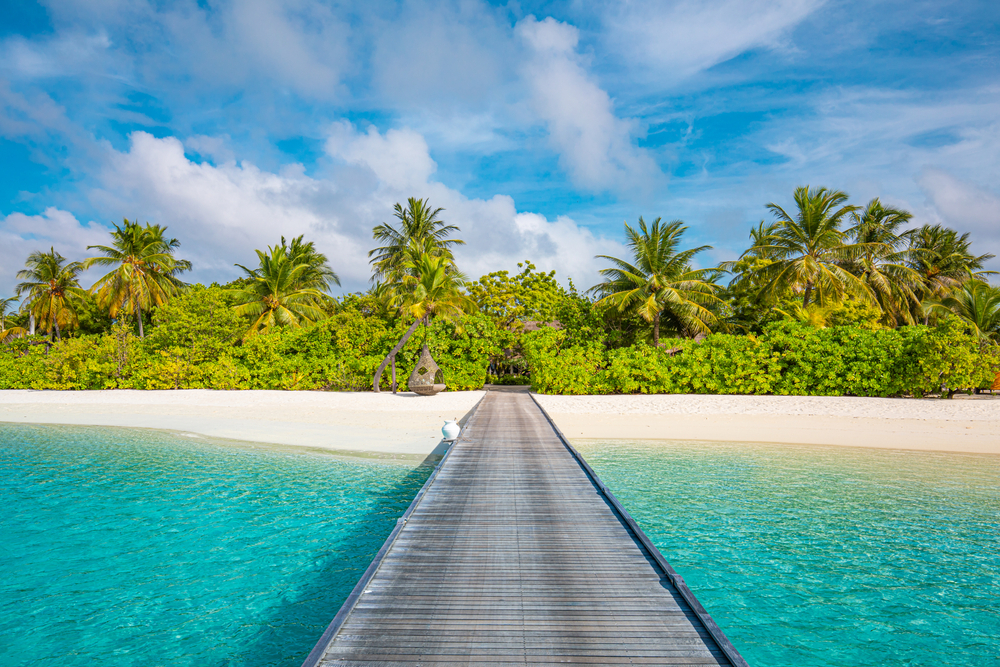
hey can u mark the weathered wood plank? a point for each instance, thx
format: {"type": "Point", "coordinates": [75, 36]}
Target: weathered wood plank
{"type": "Point", "coordinates": [514, 553]}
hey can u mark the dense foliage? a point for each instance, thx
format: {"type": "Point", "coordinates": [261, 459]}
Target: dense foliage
{"type": "Point", "coordinates": [788, 358]}
{"type": "Point", "coordinates": [829, 299]}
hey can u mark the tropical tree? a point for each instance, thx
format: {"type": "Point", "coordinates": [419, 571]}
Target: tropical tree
{"type": "Point", "coordinates": [660, 283]}
{"type": "Point", "coordinates": [430, 286]}
{"type": "Point", "coordinates": [807, 251]}
{"type": "Point", "coordinates": [882, 258]}
{"type": "Point", "coordinates": [53, 290]}
{"type": "Point", "coordinates": [279, 292]}
{"type": "Point", "coordinates": [420, 231]}
{"type": "Point", "coordinates": [145, 273]}
{"type": "Point", "coordinates": [9, 333]}
{"type": "Point", "coordinates": [944, 260]}
{"type": "Point", "coordinates": [320, 275]}
{"type": "Point", "coordinates": [511, 300]}
{"type": "Point", "coordinates": [976, 303]}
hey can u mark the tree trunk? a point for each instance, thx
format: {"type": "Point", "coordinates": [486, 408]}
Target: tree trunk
{"type": "Point", "coordinates": [31, 324]}
{"type": "Point", "coordinates": [138, 314]}
{"type": "Point", "coordinates": [394, 375]}
{"type": "Point", "coordinates": [656, 330]}
{"type": "Point", "coordinates": [56, 335]}
{"type": "Point", "coordinates": [805, 299]}
{"type": "Point", "coordinates": [392, 355]}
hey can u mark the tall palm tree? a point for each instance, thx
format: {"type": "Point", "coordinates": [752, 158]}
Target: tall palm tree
{"type": "Point", "coordinates": [431, 286]}
{"type": "Point", "coordinates": [882, 260]}
{"type": "Point", "coordinates": [978, 305]}
{"type": "Point", "coordinates": [660, 283]}
{"type": "Point", "coordinates": [145, 273]}
{"type": "Point", "coordinates": [8, 334]}
{"type": "Point", "coordinates": [281, 292]}
{"type": "Point", "coordinates": [53, 290]}
{"type": "Point", "coordinates": [420, 231]}
{"type": "Point", "coordinates": [808, 249]}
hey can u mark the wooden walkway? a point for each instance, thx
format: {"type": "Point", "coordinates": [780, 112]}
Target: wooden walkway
{"type": "Point", "coordinates": [513, 553]}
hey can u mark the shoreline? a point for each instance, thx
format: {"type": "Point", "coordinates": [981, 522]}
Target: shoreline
{"type": "Point", "coordinates": [356, 423]}
{"type": "Point", "coordinates": [956, 425]}
{"type": "Point", "coordinates": [346, 422]}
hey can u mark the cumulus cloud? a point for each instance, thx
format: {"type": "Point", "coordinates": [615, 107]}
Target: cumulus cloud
{"type": "Point", "coordinates": [596, 147]}
{"type": "Point", "coordinates": [221, 213]}
{"type": "Point", "coordinates": [22, 234]}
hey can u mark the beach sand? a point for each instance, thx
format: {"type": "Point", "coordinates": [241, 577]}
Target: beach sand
{"type": "Point", "coordinates": [410, 425]}
{"type": "Point", "coordinates": [356, 422]}
{"type": "Point", "coordinates": [957, 425]}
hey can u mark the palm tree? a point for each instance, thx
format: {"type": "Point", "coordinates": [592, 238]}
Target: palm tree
{"type": "Point", "coordinates": [420, 231]}
{"type": "Point", "coordinates": [430, 286]}
{"type": "Point", "coordinates": [807, 251]}
{"type": "Point", "coordinates": [146, 270]}
{"type": "Point", "coordinates": [882, 262]}
{"type": "Point", "coordinates": [280, 292]}
{"type": "Point", "coordinates": [320, 275]}
{"type": "Point", "coordinates": [977, 304]}
{"type": "Point", "coordinates": [53, 289]}
{"type": "Point", "coordinates": [944, 260]}
{"type": "Point", "coordinates": [8, 334]}
{"type": "Point", "coordinates": [661, 281]}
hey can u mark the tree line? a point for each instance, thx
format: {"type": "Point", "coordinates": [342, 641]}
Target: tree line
{"type": "Point", "coordinates": [823, 263]}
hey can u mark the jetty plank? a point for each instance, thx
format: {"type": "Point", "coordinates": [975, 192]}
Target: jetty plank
{"type": "Point", "coordinates": [514, 553]}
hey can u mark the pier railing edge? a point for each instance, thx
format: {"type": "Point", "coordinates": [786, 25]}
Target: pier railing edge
{"type": "Point", "coordinates": [352, 600]}
{"type": "Point", "coordinates": [676, 579]}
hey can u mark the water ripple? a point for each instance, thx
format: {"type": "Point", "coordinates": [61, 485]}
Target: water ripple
{"type": "Point", "coordinates": [819, 556]}
{"type": "Point", "coordinates": [132, 547]}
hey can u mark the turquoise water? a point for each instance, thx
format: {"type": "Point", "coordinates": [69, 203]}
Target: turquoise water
{"type": "Point", "coordinates": [131, 547]}
{"type": "Point", "coordinates": [814, 556]}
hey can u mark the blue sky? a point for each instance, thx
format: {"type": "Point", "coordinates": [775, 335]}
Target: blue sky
{"type": "Point", "coordinates": [539, 127]}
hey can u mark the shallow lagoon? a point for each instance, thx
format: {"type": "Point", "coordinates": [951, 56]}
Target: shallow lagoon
{"type": "Point", "coordinates": [825, 555]}
{"type": "Point", "coordinates": [136, 547]}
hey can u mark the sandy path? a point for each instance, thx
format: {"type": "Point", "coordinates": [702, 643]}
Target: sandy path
{"type": "Point", "coordinates": [368, 422]}
{"type": "Point", "coordinates": [961, 425]}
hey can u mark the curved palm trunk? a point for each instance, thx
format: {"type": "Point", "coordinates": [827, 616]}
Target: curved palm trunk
{"type": "Point", "coordinates": [656, 330]}
{"type": "Point", "coordinates": [391, 357]}
{"type": "Point", "coordinates": [31, 323]}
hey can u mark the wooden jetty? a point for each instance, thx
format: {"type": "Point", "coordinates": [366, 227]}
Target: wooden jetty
{"type": "Point", "coordinates": [513, 552]}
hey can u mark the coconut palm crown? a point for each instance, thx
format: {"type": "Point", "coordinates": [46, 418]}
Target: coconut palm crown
{"type": "Point", "coordinates": [145, 273]}
{"type": "Point", "coordinates": [882, 260]}
{"type": "Point", "coordinates": [808, 252]}
{"type": "Point", "coordinates": [420, 231]}
{"type": "Point", "coordinates": [53, 290]}
{"type": "Point", "coordinates": [976, 303]}
{"type": "Point", "coordinates": [280, 292]}
{"type": "Point", "coordinates": [659, 282]}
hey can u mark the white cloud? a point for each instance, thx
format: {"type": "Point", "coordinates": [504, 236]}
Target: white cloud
{"type": "Point", "coordinates": [966, 208]}
{"type": "Point", "coordinates": [22, 234]}
{"type": "Point", "coordinates": [221, 213]}
{"type": "Point", "coordinates": [679, 38]}
{"type": "Point", "coordinates": [596, 146]}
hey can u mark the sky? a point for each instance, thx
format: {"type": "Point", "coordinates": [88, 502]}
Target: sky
{"type": "Point", "coordinates": [540, 128]}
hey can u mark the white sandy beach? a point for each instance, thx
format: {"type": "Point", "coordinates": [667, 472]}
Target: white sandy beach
{"type": "Point", "coordinates": [958, 425]}
{"type": "Point", "coordinates": [411, 425]}
{"type": "Point", "coordinates": [362, 422]}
